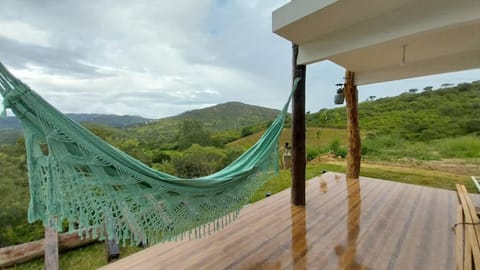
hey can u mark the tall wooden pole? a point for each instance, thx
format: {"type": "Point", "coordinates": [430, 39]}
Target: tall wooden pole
{"type": "Point", "coordinates": [298, 132]}
{"type": "Point", "coordinates": [353, 128]}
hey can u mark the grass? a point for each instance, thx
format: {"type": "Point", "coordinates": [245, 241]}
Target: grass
{"type": "Point", "coordinates": [85, 258]}
{"type": "Point", "coordinates": [316, 138]}
{"type": "Point", "coordinates": [460, 147]}
{"type": "Point", "coordinates": [391, 148]}
{"type": "Point", "coordinates": [422, 177]}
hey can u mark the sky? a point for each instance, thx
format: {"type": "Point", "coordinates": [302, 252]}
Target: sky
{"type": "Point", "coordinates": [161, 58]}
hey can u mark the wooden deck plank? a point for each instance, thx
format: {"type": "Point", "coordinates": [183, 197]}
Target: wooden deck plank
{"type": "Point", "coordinates": [441, 209]}
{"type": "Point", "coordinates": [369, 223]}
{"type": "Point", "coordinates": [353, 218]}
{"type": "Point", "coordinates": [388, 244]}
{"type": "Point", "coordinates": [408, 245]}
{"type": "Point", "coordinates": [471, 228]}
{"type": "Point", "coordinates": [459, 238]}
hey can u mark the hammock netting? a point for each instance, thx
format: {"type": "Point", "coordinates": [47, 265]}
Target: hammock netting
{"type": "Point", "coordinates": [75, 176]}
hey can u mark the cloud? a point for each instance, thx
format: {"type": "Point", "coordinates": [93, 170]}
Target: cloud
{"type": "Point", "coordinates": [57, 61]}
{"type": "Point", "coordinates": [155, 60]}
{"type": "Point", "coordinates": [126, 57]}
{"type": "Point", "coordinates": [23, 32]}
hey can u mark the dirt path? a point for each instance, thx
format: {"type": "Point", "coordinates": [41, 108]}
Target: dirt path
{"type": "Point", "coordinates": [447, 166]}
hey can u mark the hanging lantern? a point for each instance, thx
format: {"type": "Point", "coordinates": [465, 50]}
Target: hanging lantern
{"type": "Point", "coordinates": [340, 96]}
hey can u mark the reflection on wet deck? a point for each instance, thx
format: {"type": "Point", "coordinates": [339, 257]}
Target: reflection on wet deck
{"type": "Point", "coordinates": [365, 224]}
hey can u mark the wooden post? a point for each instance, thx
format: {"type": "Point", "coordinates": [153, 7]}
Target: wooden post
{"type": "Point", "coordinates": [287, 161]}
{"type": "Point", "coordinates": [51, 246]}
{"type": "Point", "coordinates": [9, 256]}
{"type": "Point", "coordinates": [112, 248]}
{"type": "Point", "coordinates": [298, 132]}
{"type": "Point", "coordinates": [353, 128]}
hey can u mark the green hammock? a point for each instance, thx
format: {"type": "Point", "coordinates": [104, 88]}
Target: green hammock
{"type": "Point", "coordinates": [75, 176]}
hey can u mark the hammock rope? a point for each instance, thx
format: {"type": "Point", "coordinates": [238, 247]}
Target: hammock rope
{"type": "Point", "coordinates": [75, 176]}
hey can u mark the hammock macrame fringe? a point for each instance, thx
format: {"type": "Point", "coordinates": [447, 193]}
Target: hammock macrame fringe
{"type": "Point", "coordinates": [75, 176]}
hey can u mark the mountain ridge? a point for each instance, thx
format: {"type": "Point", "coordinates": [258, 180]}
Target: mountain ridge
{"type": "Point", "coordinates": [111, 120]}
{"type": "Point", "coordinates": [228, 115]}
{"type": "Point", "coordinates": [241, 114]}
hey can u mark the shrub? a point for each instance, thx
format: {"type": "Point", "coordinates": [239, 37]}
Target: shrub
{"type": "Point", "coordinates": [160, 157]}
{"type": "Point", "coordinates": [461, 147]}
{"type": "Point", "coordinates": [311, 154]}
{"type": "Point", "coordinates": [334, 145]}
{"type": "Point", "coordinates": [246, 131]}
{"type": "Point", "coordinates": [337, 149]}
{"type": "Point", "coordinates": [198, 161]}
{"type": "Point", "coordinates": [232, 154]}
{"type": "Point", "coordinates": [341, 152]}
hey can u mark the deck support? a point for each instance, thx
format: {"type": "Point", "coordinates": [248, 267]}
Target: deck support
{"type": "Point", "coordinates": [298, 132]}
{"type": "Point", "coordinates": [353, 128]}
{"type": "Point", "coordinates": [51, 246]}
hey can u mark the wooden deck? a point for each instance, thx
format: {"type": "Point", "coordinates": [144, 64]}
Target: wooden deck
{"type": "Point", "coordinates": [365, 224]}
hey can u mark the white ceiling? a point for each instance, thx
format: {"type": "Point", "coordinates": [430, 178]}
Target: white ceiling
{"type": "Point", "coordinates": [383, 40]}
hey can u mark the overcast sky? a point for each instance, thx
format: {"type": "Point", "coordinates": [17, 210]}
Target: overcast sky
{"type": "Point", "coordinates": [161, 58]}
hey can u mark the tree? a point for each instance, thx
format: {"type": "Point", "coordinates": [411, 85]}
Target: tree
{"type": "Point", "coordinates": [193, 132]}
{"type": "Point", "coordinates": [198, 161]}
{"type": "Point", "coordinates": [323, 117]}
{"type": "Point", "coordinates": [246, 131]}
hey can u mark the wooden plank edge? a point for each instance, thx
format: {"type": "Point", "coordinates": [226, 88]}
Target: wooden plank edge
{"type": "Point", "coordinates": [476, 228]}
{"type": "Point", "coordinates": [472, 231]}
{"type": "Point", "coordinates": [468, 231]}
{"type": "Point", "coordinates": [459, 238]}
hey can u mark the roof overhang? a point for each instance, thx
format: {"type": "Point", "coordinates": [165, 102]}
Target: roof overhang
{"type": "Point", "coordinates": [383, 40]}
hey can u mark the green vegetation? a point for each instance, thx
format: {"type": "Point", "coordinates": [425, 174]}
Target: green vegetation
{"type": "Point", "coordinates": [14, 197]}
{"type": "Point", "coordinates": [421, 177]}
{"type": "Point", "coordinates": [424, 116]}
{"type": "Point", "coordinates": [193, 132]}
{"type": "Point", "coordinates": [84, 258]}
{"type": "Point", "coordinates": [460, 147]}
{"type": "Point", "coordinates": [226, 123]}
{"type": "Point", "coordinates": [429, 138]}
{"type": "Point", "coordinates": [230, 115]}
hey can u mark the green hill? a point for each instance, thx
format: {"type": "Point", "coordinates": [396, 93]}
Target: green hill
{"type": "Point", "coordinates": [109, 120]}
{"type": "Point", "coordinates": [230, 116]}
{"type": "Point", "coordinates": [423, 116]}
{"type": "Point", "coordinates": [11, 128]}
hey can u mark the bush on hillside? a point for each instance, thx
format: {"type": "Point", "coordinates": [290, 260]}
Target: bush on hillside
{"type": "Point", "coordinates": [312, 153]}
{"type": "Point", "coordinates": [198, 161]}
{"type": "Point", "coordinates": [336, 148]}
{"type": "Point", "coordinates": [461, 147]}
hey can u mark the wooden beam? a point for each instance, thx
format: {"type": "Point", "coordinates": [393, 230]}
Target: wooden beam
{"type": "Point", "coordinates": [12, 255]}
{"type": "Point", "coordinates": [298, 132]}
{"type": "Point", "coordinates": [353, 128]}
